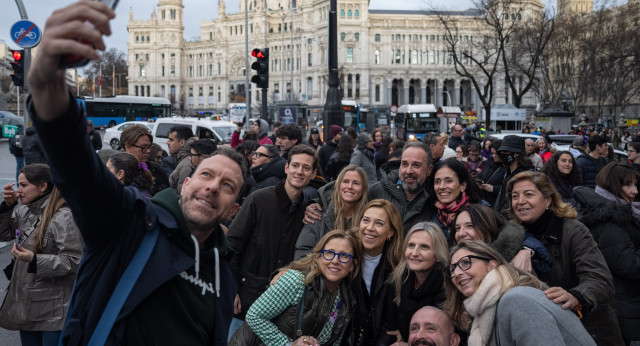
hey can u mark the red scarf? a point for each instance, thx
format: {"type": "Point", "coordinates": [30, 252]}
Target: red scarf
{"type": "Point", "coordinates": [446, 213]}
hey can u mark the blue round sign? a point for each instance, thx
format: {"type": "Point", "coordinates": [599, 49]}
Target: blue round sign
{"type": "Point", "coordinates": [26, 34]}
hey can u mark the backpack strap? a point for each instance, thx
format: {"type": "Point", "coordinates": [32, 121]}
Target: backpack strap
{"type": "Point", "coordinates": [124, 287]}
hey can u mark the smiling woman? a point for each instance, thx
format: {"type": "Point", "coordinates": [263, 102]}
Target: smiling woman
{"type": "Point", "coordinates": [314, 292]}
{"type": "Point", "coordinates": [481, 283]}
{"type": "Point", "coordinates": [579, 277]}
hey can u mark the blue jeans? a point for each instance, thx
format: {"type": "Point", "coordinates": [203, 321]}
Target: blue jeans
{"type": "Point", "coordinates": [39, 338]}
{"type": "Point", "coordinates": [19, 165]}
{"type": "Point", "coordinates": [235, 325]}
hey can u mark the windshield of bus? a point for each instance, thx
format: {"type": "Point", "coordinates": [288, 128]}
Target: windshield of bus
{"type": "Point", "coordinates": [421, 122]}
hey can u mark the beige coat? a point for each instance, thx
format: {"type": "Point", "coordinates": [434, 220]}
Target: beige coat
{"type": "Point", "coordinates": [39, 301]}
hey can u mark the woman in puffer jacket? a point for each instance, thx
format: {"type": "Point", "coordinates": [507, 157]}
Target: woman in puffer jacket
{"type": "Point", "coordinates": [613, 219]}
{"type": "Point", "coordinates": [47, 250]}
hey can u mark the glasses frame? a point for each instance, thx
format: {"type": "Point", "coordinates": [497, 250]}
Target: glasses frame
{"type": "Point", "coordinates": [143, 147]}
{"type": "Point", "coordinates": [259, 154]}
{"type": "Point", "coordinates": [448, 271]}
{"type": "Point", "coordinates": [325, 252]}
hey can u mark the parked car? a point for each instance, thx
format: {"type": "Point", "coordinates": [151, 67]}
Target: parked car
{"type": "Point", "coordinates": [501, 136]}
{"type": "Point", "coordinates": [112, 134]}
{"type": "Point", "coordinates": [219, 130]}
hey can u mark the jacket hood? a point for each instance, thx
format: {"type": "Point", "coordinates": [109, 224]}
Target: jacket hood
{"type": "Point", "coordinates": [594, 209]}
{"type": "Point", "coordinates": [186, 150]}
{"type": "Point", "coordinates": [390, 172]}
{"type": "Point", "coordinates": [273, 168]}
{"type": "Point", "coordinates": [264, 128]}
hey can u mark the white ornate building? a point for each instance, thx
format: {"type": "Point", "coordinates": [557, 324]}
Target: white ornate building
{"type": "Point", "coordinates": [385, 56]}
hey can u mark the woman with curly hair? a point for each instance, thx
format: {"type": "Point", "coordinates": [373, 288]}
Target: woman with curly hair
{"type": "Point", "coordinates": [563, 172]}
{"type": "Point", "coordinates": [129, 172]}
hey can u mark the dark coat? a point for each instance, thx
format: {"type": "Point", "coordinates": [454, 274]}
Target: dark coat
{"type": "Point", "coordinates": [580, 268]}
{"type": "Point", "coordinates": [430, 293]}
{"type": "Point", "coordinates": [112, 229]}
{"type": "Point", "coordinates": [31, 147]}
{"type": "Point", "coordinates": [618, 237]}
{"type": "Point", "coordinates": [334, 167]}
{"type": "Point", "coordinates": [324, 154]}
{"type": "Point", "coordinates": [455, 141]}
{"type": "Point", "coordinates": [493, 174]}
{"type": "Point", "coordinates": [587, 165]}
{"type": "Point", "coordinates": [268, 174]}
{"type": "Point", "coordinates": [419, 209]}
{"type": "Point", "coordinates": [263, 235]}
{"type": "Point", "coordinates": [95, 139]}
{"type": "Point", "coordinates": [370, 307]}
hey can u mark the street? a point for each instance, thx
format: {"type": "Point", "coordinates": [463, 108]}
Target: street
{"type": "Point", "coordinates": [7, 175]}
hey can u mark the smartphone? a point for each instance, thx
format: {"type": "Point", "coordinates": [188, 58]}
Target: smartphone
{"type": "Point", "coordinates": [74, 60]}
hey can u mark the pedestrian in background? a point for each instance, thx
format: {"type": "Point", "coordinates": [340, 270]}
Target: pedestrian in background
{"type": "Point", "coordinates": [363, 156]}
{"type": "Point", "coordinates": [47, 251]}
{"type": "Point", "coordinates": [340, 158]}
{"type": "Point", "coordinates": [16, 151]}
{"type": "Point", "coordinates": [564, 174]}
{"type": "Point", "coordinates": [129, 172]}
{"type": "Point", "coordinates": [314, 139]}
{"type": "Point", "coordinates": [94, 136]}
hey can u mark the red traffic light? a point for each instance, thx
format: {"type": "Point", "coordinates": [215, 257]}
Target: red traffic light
{"type": "Point", "coordinates": [257, 53]}
{"type": "Point", "coordinates": [17, 55]}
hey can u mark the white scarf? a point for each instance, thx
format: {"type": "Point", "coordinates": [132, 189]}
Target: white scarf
{"type": "Point", "coordinates": [482, 306]}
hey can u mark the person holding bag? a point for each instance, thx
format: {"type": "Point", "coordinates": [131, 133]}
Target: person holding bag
{"type": "Point", "coordinates": [47, 251]}
{"type": "Point", "coordinates": [311, 303]}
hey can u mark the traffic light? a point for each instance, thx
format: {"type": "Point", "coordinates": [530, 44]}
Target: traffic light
{"type": "Point", "coordinates": [261, 65]}
{"type": "Point", "coordinates": [17, 65]}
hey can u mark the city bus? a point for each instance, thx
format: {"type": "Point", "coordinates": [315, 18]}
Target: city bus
{"type": "Point", "coordinates": [112, 111]}
{"type": "Point", "coordinates": [418, 120]}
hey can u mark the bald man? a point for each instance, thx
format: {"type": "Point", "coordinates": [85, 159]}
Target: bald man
{"type": "Point", "coordinates": [430, 326]}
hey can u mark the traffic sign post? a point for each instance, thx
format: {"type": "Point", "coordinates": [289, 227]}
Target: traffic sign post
{"type": "Point", "coordinates": [26, 34]}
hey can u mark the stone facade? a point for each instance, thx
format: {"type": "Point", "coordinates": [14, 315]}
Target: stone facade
{"type": "Point", "coordinates": [385, 56]}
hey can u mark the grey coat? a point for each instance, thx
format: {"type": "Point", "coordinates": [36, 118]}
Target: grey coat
{"type": "Point", "coordinates": [313, 232]}
{"type": "Point", "coordinates": [361, 159]}
{"type": "Point", "coordinates": [38, 301]}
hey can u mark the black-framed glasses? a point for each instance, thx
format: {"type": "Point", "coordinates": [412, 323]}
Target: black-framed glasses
{"type": "Point", "coordinates": [259, 154]}
{"type": "Point", "coordinates": [142, 147]}
{"type": "Point", "coordinates": [196, 154]}
{"type": "Point", "coordinates": [464, 264]}
{"type": "Point", "coordinates": [343, 257]}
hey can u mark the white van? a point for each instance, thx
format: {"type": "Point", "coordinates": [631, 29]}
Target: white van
{"type": "Point", "coordinates": [220, 130]}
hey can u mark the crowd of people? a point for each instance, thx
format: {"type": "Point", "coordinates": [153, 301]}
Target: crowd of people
{"type": "Point", "coordinates": [356, 240]}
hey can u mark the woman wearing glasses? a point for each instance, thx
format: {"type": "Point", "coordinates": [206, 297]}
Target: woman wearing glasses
{"type": "Point", "coordinates": [267, 167]}
{"type": "Point", "coordinates": [416, 282]}
{"type": "Point", "coordinates": [613, 218]}
{"type": "Point", "coordinates": [349, 197]}
{"type": "Point", "coordinates": [136, 140]}
{"type": "Point", "coordinates": [311, 303]}
{"type": "Point", "coordinates": [381, 234]}
{"type": "Point", "coordinates": [579, 277]}
{"type": "Point", "coordinates": [507, 306]}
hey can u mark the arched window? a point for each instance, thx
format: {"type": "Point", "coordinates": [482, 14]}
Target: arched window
{"type": "Point", "coordinates": [349, 13]}
{"type": "Point", "coordinates": [376, 59]}
{"type": "Point", "coordinates": [342, 13]}
{"type": "Point", "coordinates": [357, 14]}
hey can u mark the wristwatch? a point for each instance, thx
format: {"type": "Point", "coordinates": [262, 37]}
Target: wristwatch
{"type": "Point", "coordinates": [533, 252]}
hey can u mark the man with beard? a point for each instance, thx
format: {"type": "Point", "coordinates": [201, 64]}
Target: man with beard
{"type": "Point", "coordinates": [184, 291]}
{"type": "Point", "coordinates": [432, 327]}
{"type": "Point", "coordinates": [403, 183]}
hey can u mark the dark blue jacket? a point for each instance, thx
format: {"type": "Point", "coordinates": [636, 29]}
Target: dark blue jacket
{"type": "Point", "coordinates": [113, 220]}
{"type": "Point", "coordinates": [587, 165]}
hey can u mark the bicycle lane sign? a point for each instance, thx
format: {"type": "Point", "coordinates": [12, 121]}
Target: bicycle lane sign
{"type": "Point", "coordinates": [26, 34]}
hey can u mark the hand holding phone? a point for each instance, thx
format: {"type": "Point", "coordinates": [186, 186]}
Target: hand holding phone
{"type": "Point", "coordinates": [75, 60]}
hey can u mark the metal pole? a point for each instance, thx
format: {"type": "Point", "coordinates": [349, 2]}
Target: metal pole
{"type": "Point", "coordinates": [332, 109]}
{"type": "Point", "coordinates": [282, 86]}
{"type": "Point", "coordinates": [266, 26]}
{"type": "Point", "coordinates": [292, 54]}
{"type": "Point", "coordinates": [247, 89]}
{"type": "Point", "coordinates": [27, 65]}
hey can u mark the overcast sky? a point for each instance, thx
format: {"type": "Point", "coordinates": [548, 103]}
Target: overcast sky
{"type": "Point", "coordinates": [194, 12]}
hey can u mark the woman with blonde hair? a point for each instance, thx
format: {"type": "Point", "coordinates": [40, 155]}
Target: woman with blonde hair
{"type": "Point", "coordinates": [579, 277]}
{"type": "Point", "coordinates": [47, 250]}
{"type": "Point", "coordinates": [416, 282]}
{"type": "Point", "coordinates": [507, 306]}
{"type": "Point", "coordinates": [312, 302]}
{"type": "Point", "coordinates": [380, 230]}
{"type": "Point", "coordinates": [347, 203]}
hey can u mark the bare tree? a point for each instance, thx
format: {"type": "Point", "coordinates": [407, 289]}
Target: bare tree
{"type": "Point", "coordinates": [523, 48]}
{"type": "Point", "coordinates": [477, 60]}
{"type": "Point", "coordinates": [113, 62]}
